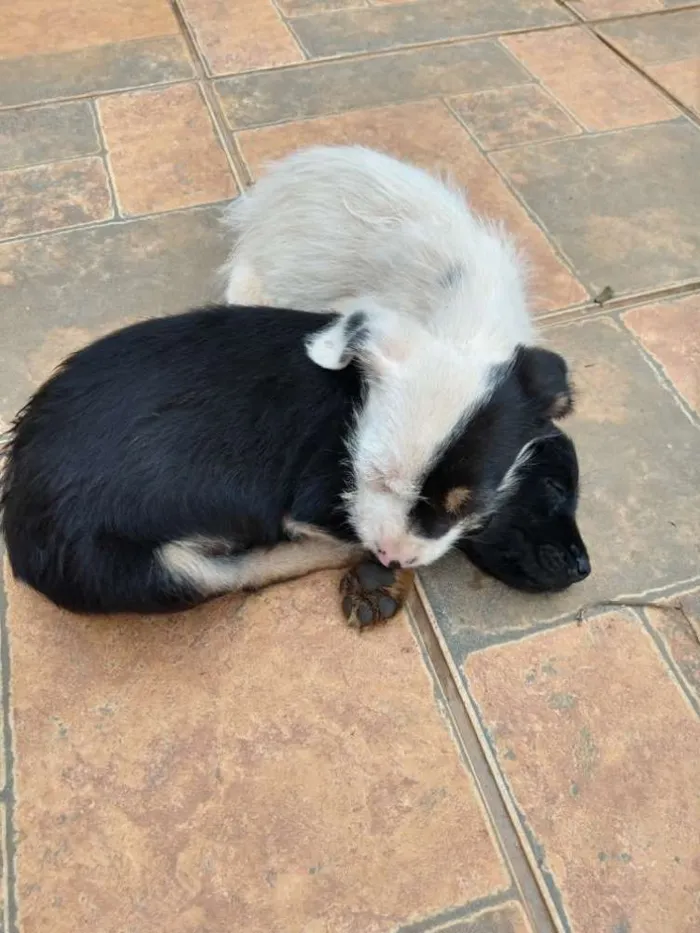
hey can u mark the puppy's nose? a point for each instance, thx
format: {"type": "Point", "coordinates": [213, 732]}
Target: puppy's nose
{"type": "Point", "coordinates": [582, 568]}
{"type": "Point", "coordinates": [394, 565]}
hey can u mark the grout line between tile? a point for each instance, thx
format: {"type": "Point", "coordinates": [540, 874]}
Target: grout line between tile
{"type": "Point", "coordinates": [666, 656]}
{"type": "Point", "coordinates": [211, 100]}
{"type": "Point", "coordinates": [394, 50]}
{"type": "Point", "coordinates": [8, 792]}
{"type": "Point", "coordinates": [554, 246]}
{"type": "Point", "coordinates": [659, 371]}
{"type": "Point", "coordinates": [90, 95]}
{"type": "Point", "coordinates": [687, 111]}
{"type": "Point", "coordinates": [104, 152]}
{"type": "Point", "coordinates": [496, 799]}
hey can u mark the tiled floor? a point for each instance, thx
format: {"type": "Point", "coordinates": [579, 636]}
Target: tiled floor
{"type": "Point", "coordinates": [487, 763]}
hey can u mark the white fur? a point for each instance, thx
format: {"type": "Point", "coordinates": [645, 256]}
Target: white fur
{"type": "Point", "coordinates": [347, 228]}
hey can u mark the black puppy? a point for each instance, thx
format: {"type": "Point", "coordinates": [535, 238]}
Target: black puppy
{"type": "Point", "coordinates": [533, 542]}
{"type": "Point", "coordinates": [185, 457]}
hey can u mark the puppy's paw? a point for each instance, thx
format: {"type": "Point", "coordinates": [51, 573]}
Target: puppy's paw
{"type": "Point", "coordinates": [372, 593]}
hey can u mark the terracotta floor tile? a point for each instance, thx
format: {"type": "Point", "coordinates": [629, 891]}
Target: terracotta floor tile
{"type": "Point", "coordinates": [296, 7]}
{"type": "Point", "coordinates": [600, 749]}
{"type": "Point", "coordinates": [315, 90]}
{"type": "Point", "coordinates": [428, 135]}
{"type": "Point", "coordinates": [163, 151]}
{"type": "Point", "coordinates": [679, 627]}
{"type": "Point", "coordinates": [241, 37]}
{"type": "Point", "coordinates": [47, 134]}
{"type": "Point", "coordinates": [63, 194]}
{"type": "Point", "coordinates": [600, 90]}
{"type": "Point", "coordinates": [600, 9]}
{"type": "Point", "coordinates": [4, 919]}
{"type": "Point", "coordinates": [387, 27]}
{"type": "Point", "coordinates": [623, 206]}
{"type": "Point", "coordinates": [681, 79]}
{"type": "Point", "coordinates": [507, 919]}
{"type": "Point", "coordinates": [640, 499]}
{"type": "Point", "coordinates": [91, 71]}
{"type": "Point", "coordinates": [51, 26]}
{"type": "Point", "coordinates": [652, 40]}
{"type": "Point", "coordinates": [513, 116]}
{"type": "Point", "coordinates": [81, 283]}
{"type": "Point", "coordinates": [178, 773]}
{"type": "Point", "coordinates": [671, 333]}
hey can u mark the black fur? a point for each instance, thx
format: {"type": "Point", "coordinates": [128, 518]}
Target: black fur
{"type": "Point", "coordinates": [480, 454]}
{"type": "Point", "coordinates": [212, 423]}
{"type": "Point", "coordinates": [533, 542]}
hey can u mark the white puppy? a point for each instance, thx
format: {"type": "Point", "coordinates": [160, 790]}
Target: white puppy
{"type": "Point", "coordinates": [458, 391]}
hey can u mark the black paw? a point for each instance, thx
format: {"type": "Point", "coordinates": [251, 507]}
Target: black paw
{"type": "Point", "coordinates": [372, 593]}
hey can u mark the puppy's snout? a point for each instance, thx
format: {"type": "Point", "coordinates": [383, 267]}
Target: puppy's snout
{"type": "Point", "coordinates": [390, 559]}
{"type": "Point", "coordinates": [581, 567]}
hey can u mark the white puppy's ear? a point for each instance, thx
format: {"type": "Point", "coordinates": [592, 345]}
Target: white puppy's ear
{"type": "Point", "coordinates": [374, 337]}
{"type": "Point", "coordinates": [340, 342]}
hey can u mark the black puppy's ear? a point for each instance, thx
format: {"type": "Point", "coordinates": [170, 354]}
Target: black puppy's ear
{"type": "Point", "coordinates": [544, 376]}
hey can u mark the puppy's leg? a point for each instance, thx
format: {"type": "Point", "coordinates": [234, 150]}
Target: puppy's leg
{"type": "Point", "coordinates": [191, 561]}
{"type": "Point", "coordinates": [372, 593]}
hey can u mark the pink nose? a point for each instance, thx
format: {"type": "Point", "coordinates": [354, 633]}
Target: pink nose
{"type": "Point", "coordinates": [388, 557]}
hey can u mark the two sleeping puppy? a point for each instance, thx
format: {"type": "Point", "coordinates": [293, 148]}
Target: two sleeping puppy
{"type": "Point", "coordinates": [227, 448]}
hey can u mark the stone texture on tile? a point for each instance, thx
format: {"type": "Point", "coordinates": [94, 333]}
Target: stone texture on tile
{"type": "Point", "coordinates": [301, 7]}
{"type": "Point", "coordinates": [387, 27]}
{"type": "Point", "coordinates": [640, 499]}
{"type": "Point", "coordinates": [666, 47]}
{"type": "Point", "coordinates": [681, 79]}
{"type": "Point", "coordinates": [599, 89]}
{"type": "Point", "coordinates": [92, 71]}
{"type": "Point", "coordinates": [600, 749]}
{"type": "Point", "coordinates": [47, 134]}
{"type": "Point", "coordinates": [513, 116]}
{"type": "Point", "coordinates": [652, 40]}
{"type": "Point", "coordinates": [679, 627]}
{"type": "Point", "coordinates": [623, 207]}
{"type": "Point", "coordinates": [670, 331]}
{"type": "Point", "coordinates": [178, 773]}
{"type": "Point", "coordinates": [51, 26]}
{"type": "Point", "coordinates": [163, 151]}
{"type": "Point", "coordinates": [241, 37]}
{"type": "Point", "coordinates": [426, 134]}
{"type": "Point", "coordinates": [4, 919]}
{"type": "Point", "coordinates": [315, 90]}
{"type": "Point", "coordinates": [507, 919]}
{"type": "Point", "coordinates": [601, 9]}
{"type": "Point", "coordinates": [94, 280]}
{"type": "Point", "coordinates": [46, 197]}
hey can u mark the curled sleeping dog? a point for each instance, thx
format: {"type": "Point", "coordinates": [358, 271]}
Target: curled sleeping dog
{"type": "Point", "coordinates": [346, 228]}
{"type": "Point", "coordinates": [188, 456]}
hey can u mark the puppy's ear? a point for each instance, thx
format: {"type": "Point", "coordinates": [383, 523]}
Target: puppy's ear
{"type": "Point", "coordinates": [339, 342]}
{"type": "Point", "coordinates": [544, 376]}
{"type": "Point", "coordinates": [370, 337]}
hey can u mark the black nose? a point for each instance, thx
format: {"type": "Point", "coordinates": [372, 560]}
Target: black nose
{"type": "Point", "coordinates": [582, 567]}
{"type": "Point", "coordinates": [394, 565]}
